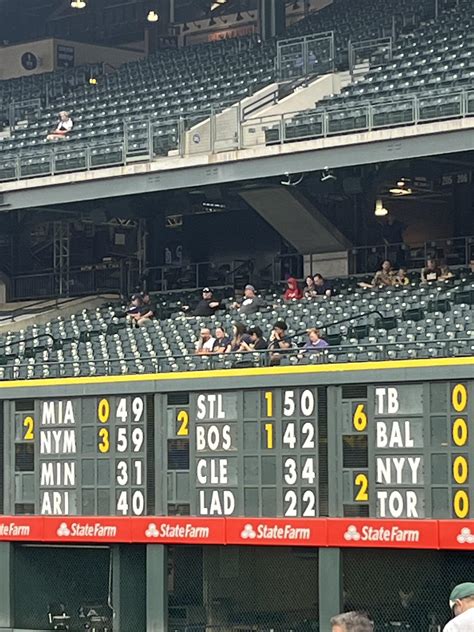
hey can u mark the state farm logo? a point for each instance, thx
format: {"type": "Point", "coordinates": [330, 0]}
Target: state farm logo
{"type": "Point", "coordinates": [95, 530]}
{"type": "Point", "coordinates": [465, 536]}
{"type": "Point", "coordinates": [352, 534]}
{"type": "Point", "coordinates": [274, 532]}
{"type": "Point", "coordinates": [168, 531]}
{"type": "Point", "coordinates": [393, 533]}
{"type": "Point", "coordinates": [248, 533]}
{"type": "Point", "coordinates": [152, 531]}
{"type": "Point", "coordinates": [14, 530]}
{"type": "Point", "coordinates": [63, 530]}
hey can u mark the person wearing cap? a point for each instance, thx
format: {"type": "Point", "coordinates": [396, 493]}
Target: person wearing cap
{"type": "Point", "coordinates": [461, 602]}
{"type": "Point", "coordinates": [134, 311]}
{"type": "Point", "coordinates": [251, 303]}
{"type": "Point", "coordinates": [207, 306]}
{"type": "Point", "coordinates": [351, 622]}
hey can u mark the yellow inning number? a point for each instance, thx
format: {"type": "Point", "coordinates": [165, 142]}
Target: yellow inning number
{"type": "Point", "coordinates": [103, 411]}
{"type": "Point", "coordinates": [183, 420]}
{"type": "Point", "coordinates": [29, 424]}
{"type": "Point", "coordinates": [269, 431]}
{"type": "Point", "coordinates": [459, 398]}
{"type": "Point", "coordinates": [362, 483]}
{"type": "Point", "coordinates": [460, 470]}
{"type": "Point", "coordinates": [104, 445]}
{"type": "Point", "coordinates": [461, 504]}
{"type": "Point", "coordinates": [359, 419]}
{"type": "Point", "coordinates": [460, 432]}
{"type": "Point", "coordinates": [269, 400]}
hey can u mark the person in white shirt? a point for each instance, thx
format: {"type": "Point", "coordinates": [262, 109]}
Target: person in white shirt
{"type": "Point", "coordinates": [206, 342]}
{"type": "Point", "coordinates": [63, 127]}
{"type": "Point", "coordinates": [461, 602]}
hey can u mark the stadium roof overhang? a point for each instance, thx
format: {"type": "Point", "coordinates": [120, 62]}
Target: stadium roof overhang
{"type": "Point", "coordinates": [245, 165]}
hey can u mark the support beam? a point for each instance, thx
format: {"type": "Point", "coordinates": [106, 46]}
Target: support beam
{"type": "Point", "coordinates": [156, 588]}
{"type": "Point", "coordinates": [330, 586]}
{"type": "Point", "coordinates": [6, 583]}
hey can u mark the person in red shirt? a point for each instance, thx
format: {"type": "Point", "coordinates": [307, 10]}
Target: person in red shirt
{"type": "Point", "coordinates": [293, 290]}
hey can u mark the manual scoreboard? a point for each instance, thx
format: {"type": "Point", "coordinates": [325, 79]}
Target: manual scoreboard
{"type": "Point", "coordinates": [388, 450]}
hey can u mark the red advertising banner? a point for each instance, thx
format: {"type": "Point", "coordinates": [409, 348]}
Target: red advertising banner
{"type": "Point", "coordinates": [404, 534]}
{"type": "Point", "coordinates": [92, 529]}
{"type": "Point", "coordinates": [18, 528]}
{"type": "Point", "coordinates": [456, 534]}
{"type": "Point", "coordinates": [317, 532]}
{"type": "Point", "coordinates": [276, 531]}
{"type": "Point", "coordinates": [178, 530]}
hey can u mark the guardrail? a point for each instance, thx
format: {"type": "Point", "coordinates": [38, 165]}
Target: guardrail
{"type": "Point", "coordinates": [374, 352]}
{"type": "Point", "coordinates": [145, 140]}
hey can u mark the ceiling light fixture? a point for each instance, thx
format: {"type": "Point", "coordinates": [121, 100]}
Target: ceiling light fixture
{"type": "Point", "coordinates": [380, 210]}
{"type": "Point", "coordinates": [152, 16]}
{"type": "Point", "coordinates": [78, 4]}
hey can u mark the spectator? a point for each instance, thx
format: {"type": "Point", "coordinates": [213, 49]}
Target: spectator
{"type": "Point", "coordinates": [322, 287]}
{"type": "Point", "coordinates": [392, 230]}
{"type": "Point", "coordinates": [401, 277]}
{"type": "Point", "coordinates": [384, 277]}
{"type": "Point", "coordinates": [251, 303]}
{"type": "Point", "coordinates": [309, 289]}
{"type": "Point", "coordinates": [257, 341]}
{"type": "Point", "coordinates": [445, 271]}
{"type": "Point", "coordinates": [279, 342]}
{"type": "Point", "coordinates": [135, 309]}
{"type": "Point", "coordinates": [292, 291]}
{"type": "Point", "coordinates": [147, 310]}
{"type": "Point", "coordinates": [206, 342]}
{"type": "Point", "coordinates": [63, 127]}
{"type": "Point", "coordinates": [431, 272]}
{"type": "Point", "coordinates": [223, 341]}
{"type": "Point", "coordinates": [315, 342]}
{"type": "Point", "coordinates": [239, 335]}
{"type": "Point", "coordinates": [207, 306]}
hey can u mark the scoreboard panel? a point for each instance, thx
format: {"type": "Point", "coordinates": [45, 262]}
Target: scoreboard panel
{"type": "Point", "coordinates": [385, 450]}
{"type": "Point", "coordinates": [407, 451]}
{"type": "Point", "coordinates": [82, 455]}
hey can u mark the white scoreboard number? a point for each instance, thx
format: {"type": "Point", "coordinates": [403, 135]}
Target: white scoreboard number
{"type": "Point", "coordinates": [122, 432]}
{"type": "Point", "coordinates": [299, 450]}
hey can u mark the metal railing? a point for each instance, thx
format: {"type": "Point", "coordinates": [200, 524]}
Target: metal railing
{"type": "Point", "coordinates": [305, 55]}
{"type": "Point", "coordinates": [360, 352]}
{"type": "Point", "coordinates": [225, 129]}
{"type": "Point", "coordinates": [195, 276]}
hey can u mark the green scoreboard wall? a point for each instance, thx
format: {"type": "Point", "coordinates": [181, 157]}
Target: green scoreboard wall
{"type": "Point", "coordinates": [376, 440]}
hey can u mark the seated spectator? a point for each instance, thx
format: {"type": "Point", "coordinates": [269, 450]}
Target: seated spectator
{"type": "Point", "coordinates": [445, 271]}
{"type": "Point", "coordinates": [207, 306]}
{"type": "Point", "coordinates": [322, 286]}
{"type": "Point", "coordinates": [383, 277]}
{"type": "Point", "coordinates": [240, 336]}
{"type": "Point", "coordinates": [251, 303]}
{"type": "Point", "coordinates": [309, 290]}
{"type": "Point", "coordinates": [135, 309]}
{"type": "Point", "coordinates": [223, 341]}
{"type": "Point", "coordinates": [292, 291]}
{"type": "Point", "coordinates": [315, 342]}
{"type": "Point", "coordinates": [257, 343]}
{"type": "Point", "coordinates": [206, 342]}
{"type": "Point", "coordinates": [401, 277]}
{"type": "Point", "coordinates": [147, 310]}
{"type": "Point", "coordinates": [431, 272]}
{"type": "Point", "coordinates": [63, 127]}
{"type": "Point", "coordinates": [279, 342]}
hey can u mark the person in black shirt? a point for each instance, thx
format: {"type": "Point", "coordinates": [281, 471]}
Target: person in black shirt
{"type": "Point", "coordinates": [322, 287]}
{"type": "Point", "coordinates": [258, 342]}
{"type": "Point", "coordinates": [207, 306]}
{"type": "Point", "coordinates": [279, 342]}
{"type": "Point", "coordinates": [223, 341]}
{"type": "Point", "coordinates": [431, 272]}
